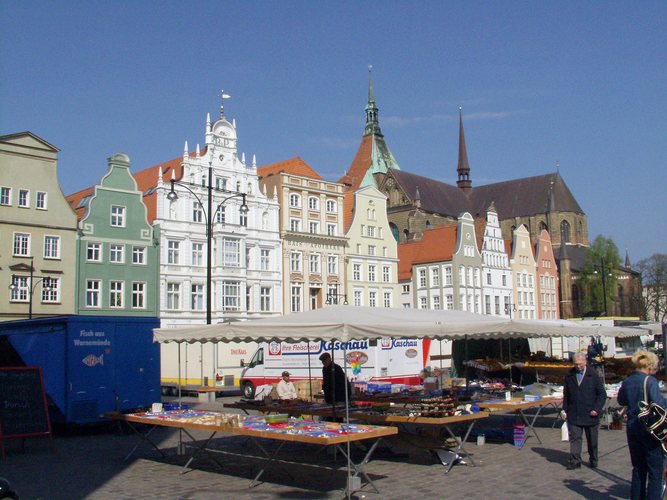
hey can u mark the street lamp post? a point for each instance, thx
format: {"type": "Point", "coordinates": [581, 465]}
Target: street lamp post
{"type": "Point", "coordinates": [333, 297]}
{"type": "Point", "coordinates": [33, 281]}
{"type": "Point", "coordinates": [209, 215]}
{"type": "Point", "coordinates": [603, 272]}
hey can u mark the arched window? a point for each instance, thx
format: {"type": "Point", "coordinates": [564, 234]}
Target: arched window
{"type": "Point", "coordinates": [543, 225]}
{"type": "Point", "coordinates": [428, 224]}
{"type": "Point", "coordinates": [513, 228]}
{"type": "Point", "coordinates": [565, 231]}
{"type": "Point", "coordinates": [331, 206]}
{"type": "Point", "coordinates": [313, 203]}
{"type": "Point", "coordinates": [405, 235]}
{"type": "Point", "coordinates": [395, 232]}
{"type": "Point", "coordinates": [294, 200]}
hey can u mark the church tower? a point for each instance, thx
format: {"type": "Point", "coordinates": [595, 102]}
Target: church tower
{"type": "Point", "coordinates": [463, 168]}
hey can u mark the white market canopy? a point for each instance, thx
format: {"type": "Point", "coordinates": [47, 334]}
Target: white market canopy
{"type": "Point", "coordinates": [346, 323]}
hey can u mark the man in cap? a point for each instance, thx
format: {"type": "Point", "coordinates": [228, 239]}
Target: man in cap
{"type": "Point", "coordinates": [285, 387]}
{"type": "Point", "coordinates": [333, 380]}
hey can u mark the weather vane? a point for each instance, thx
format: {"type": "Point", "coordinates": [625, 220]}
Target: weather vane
{"type": "Point", "coordinates": [223, 95]}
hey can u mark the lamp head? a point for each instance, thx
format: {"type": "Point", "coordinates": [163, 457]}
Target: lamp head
{"type": "Point", "coordinates": [244, 208]}
{"type": "Point", "coordinates": [172, 195]}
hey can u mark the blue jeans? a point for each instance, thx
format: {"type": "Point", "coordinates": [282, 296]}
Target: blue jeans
{"type": "Point", "coordinates": [648, 463]}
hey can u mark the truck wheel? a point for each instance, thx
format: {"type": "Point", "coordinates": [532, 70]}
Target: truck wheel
{"type": "Point", "coordinates": [248, 390]}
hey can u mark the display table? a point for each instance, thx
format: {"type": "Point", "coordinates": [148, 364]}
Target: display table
{"type": "Point", "coordinates": [362, 414]}
{"type": "Point", "coordinates": [255, 428]}
{"type": "Point", "coordinates": [519, 407]}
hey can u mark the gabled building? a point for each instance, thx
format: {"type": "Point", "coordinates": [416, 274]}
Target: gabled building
{"type": "Point", "coordinates": [496, 271]}
{"type": "Point", "coordinates": [38, 231]}
{"type": "Point", "coordinates": [425, 265]}
{"type": "Point", "coordinates": [547, 279]}
{"type": "Point", "coordinates": [246, 260]}
{"type": "Point", "coordinates": [522, 263]}
{"type": "Point", "coordinates": [467, 267]}
{"type": "Point", "coordinates": [117, 251]}
{"type": "Point", "coordinates": [371, 260]}
{"type": "Point", "coordinates": [311, 229]}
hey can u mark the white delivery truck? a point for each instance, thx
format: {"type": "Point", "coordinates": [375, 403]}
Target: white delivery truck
{"type": "Point", "coordinates": [398, 361]}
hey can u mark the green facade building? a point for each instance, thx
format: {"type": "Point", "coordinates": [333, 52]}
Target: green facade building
{"type": "Point", "coordinates": [117, 251]}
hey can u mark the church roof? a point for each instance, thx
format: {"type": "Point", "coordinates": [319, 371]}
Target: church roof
{"type": "Point", "coordinates": [513, 198]}
{"type": "Point", "coordinates": [294, 166]}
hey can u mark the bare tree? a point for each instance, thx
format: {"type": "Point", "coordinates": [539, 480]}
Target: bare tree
{"type": "Point", "coordinates": [654, 283]}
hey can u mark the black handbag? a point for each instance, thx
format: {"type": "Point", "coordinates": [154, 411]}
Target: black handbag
{"type": "Point", "coordinates": [654, 419]}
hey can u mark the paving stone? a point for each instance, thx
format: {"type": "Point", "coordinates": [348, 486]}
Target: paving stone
{"type": "Point", "coordinates": [91, 466]}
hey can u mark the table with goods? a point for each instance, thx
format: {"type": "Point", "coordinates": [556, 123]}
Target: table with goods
{"type": "Point", "coordinates": [277, 427]}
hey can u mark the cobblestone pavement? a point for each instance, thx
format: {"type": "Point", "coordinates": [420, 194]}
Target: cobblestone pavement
{"type": "Point", "coordinates": [90, 464]}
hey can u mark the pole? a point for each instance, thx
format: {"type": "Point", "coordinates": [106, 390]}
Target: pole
{"type": "Point", "coordinates": [664, 346]}
{"type": "Point", "coordinates": [604, 285]}
{"type": "Point", "coordinates": [209, 245]}
{"type": "Point", "coordinates": [31, 289]}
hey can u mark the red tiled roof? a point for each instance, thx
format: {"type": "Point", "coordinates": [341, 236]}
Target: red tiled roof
{"type": "Point", "coordinates": [353, 177]}
{"type": "Point", "coordinates": [294, 166]}
{"type": "Point", "coordinates": [436, 245]}
{"type": "Point", "coordinates": [75, 199]}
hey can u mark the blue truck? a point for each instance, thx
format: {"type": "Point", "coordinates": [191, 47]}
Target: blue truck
{"type": "Point", "coordinates": [90, 364]}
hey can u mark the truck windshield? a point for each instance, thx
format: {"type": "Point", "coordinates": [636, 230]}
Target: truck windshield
{"type": "Point", "coordinates": [258, 358]}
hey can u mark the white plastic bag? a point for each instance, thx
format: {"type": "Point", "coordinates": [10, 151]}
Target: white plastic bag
{"type": "Point", "coordinates": [564, 433]}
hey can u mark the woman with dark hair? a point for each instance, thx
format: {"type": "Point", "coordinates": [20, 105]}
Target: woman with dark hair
{"type": "Point", "coordinates": [646, 452]}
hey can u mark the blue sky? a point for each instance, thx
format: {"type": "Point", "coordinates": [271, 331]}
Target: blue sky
{"type": "Point", "coordinates": [581, 85]}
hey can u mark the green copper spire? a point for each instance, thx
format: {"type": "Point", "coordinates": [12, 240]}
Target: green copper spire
{"type": "Point", "coordinates": [372, 123]}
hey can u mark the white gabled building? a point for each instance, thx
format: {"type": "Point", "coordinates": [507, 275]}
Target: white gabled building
{"type": "Point", "coordinates": [372, 257]}
{"type": "Point", "coordinates": [246, 256]}
{"type": "Point", "coordinates": [524, 270]}
{"type": "Point", "coordinates": [246, 247]}
{"type": "Point", "coordinates": [496, 272]}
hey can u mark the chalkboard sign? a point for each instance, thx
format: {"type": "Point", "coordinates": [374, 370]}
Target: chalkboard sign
{"type": "Point", "coordinates": [23, 410]}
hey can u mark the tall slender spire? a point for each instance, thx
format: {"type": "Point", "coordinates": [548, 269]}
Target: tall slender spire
{"type": "Point", "coordinates": [628, 265]}
{"type": "Point", "coordinates": [372, 122]}
{"type": "Point", "coordinates": [463, 168]}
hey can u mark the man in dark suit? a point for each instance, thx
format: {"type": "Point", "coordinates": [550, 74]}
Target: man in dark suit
{"type": "Point", "coordinates": [584, 397]}
{"type": "Point", "coordinates": [333, 380]}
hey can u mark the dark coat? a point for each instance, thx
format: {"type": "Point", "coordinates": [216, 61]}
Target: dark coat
{"type": "Point", "coordinates": [580, 400]}
{"type": "Point", "coordinates": [333, 383]}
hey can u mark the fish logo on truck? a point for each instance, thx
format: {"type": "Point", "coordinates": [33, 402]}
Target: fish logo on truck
{"type": "Point", "coordinates": [92, 360]}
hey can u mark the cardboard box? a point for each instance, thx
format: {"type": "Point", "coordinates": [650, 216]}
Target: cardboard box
{"type": "Point", "coordinates": [306, 389]}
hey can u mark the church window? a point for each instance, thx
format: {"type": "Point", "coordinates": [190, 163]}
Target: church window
{"type": "Point", "coordinates": [565, 231]}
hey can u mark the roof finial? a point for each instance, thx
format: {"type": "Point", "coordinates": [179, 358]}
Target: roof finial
{"type": "Point", "coordinates": [371, 96]}
{"type": "Point", "coordinates": [185, 149]}
{"type": "Point", "coordinates": [223, 95]}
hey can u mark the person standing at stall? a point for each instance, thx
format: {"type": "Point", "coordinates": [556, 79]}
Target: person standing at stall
{"type": "Point", "coordinates": [584, 397]}
{"type": "Point", "coordinates": [645, 451]}
{"type": "Point", "coordinates": [333, 380]}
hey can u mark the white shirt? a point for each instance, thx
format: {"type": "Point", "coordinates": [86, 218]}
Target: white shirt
{"type": "Point", "coordinates": [286, 390]}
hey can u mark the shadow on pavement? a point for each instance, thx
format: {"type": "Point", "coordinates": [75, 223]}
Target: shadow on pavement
{"type": "Point", "coordinates": [552, 455]}
{"type": "Point", "coordinates": [580, 487]}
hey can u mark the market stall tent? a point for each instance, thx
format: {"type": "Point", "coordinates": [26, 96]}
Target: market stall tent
{"type": "Point", "coordinates": [344, 323]}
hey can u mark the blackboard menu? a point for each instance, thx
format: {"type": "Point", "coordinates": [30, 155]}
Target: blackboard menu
{"type": "Point", "coordinates": [23, 410]}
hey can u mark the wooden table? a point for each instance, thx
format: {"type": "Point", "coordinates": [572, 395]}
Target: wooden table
{"type": "Point", "coordinates": [362, 414]}
{"type": "Point", "coordinates": [322, 433]}
{"type": "Point", "coordinates": [519, 406]}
